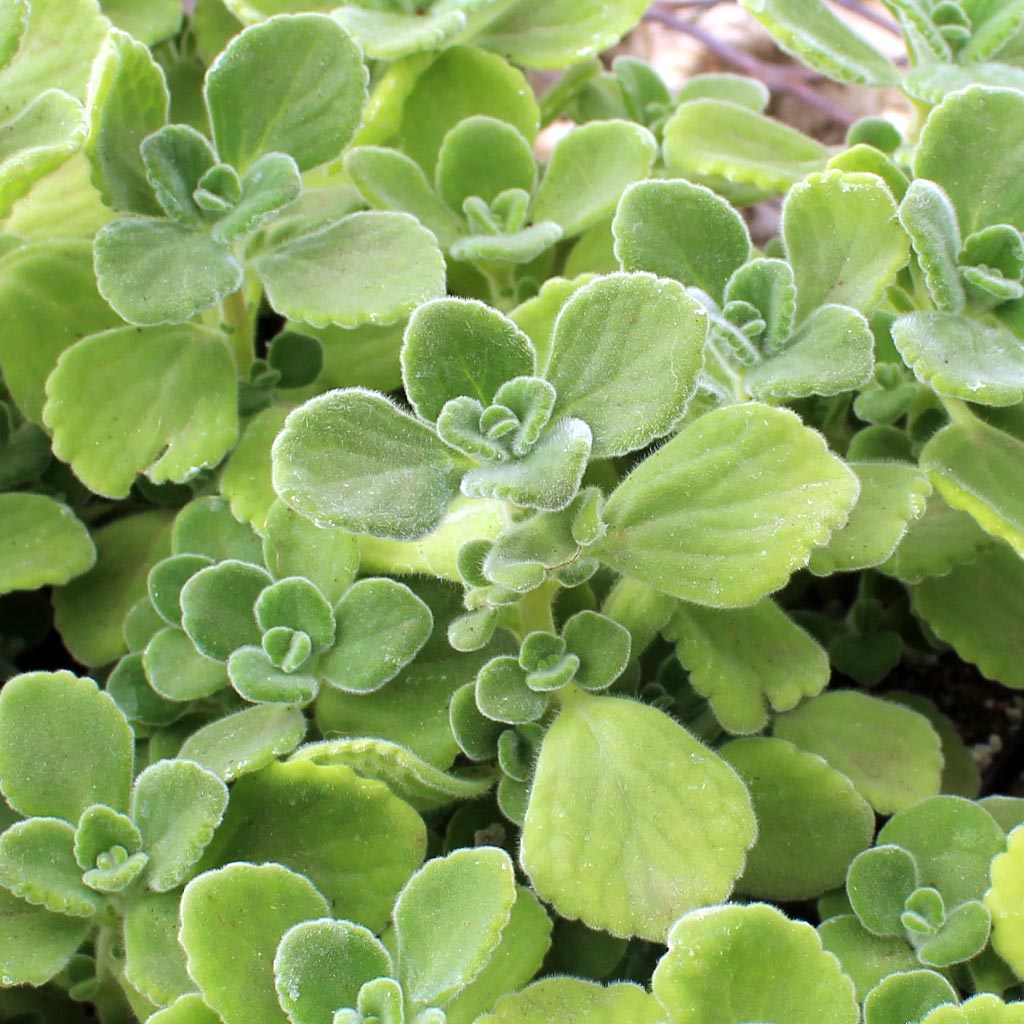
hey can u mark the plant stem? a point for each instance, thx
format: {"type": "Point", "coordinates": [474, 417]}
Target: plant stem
{"type": "Point", "coordinates": [235, 321]}
{"type": "Point", "coordinates": [958, 410]}
{"type": "Point", "coordinates": [535, 609]}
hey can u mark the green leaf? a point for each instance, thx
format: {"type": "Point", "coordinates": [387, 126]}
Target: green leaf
{"type": "Point", "coordinates": [172, 388]}
{"type": "Point", "coordinates": [272, 183]}
{"type": "Point", "coordinates": [128, 100]}
{"type": "Point", "coordinates": [166, 579]}
{"type": "Point", "coordinates": [456, 347]}
{"type": "Point", "coordinates": [969, 145]}
{"type": "Point", "coordinates": [188, 1009]}
{"type": "Point", "coordinates": [90, 611]}
{"type": "Point", "coordinates": [217, 606]}
{"type": "Point", "coordinates": [993, 25]}
{"type": "Point", "coordinates": [366, 268]}
{"type": "Point", "coordinates": [974, 608]}
{"type": "Point", "coordinates": [155, 271]}
{"type": "Point", "coordinates": [246, 741]}
{"type": "Point", "coordinates": [294, 84]}
{"type": "Point", "coordinates": [928, 217]}
{"type": "Point", "coordinates": [177, 671]}
{"type": "Point", "coordinates": [819, 38]}
{"type": "Point", "coordinates": [1005, 900]}
{"type": "Point", "coordinates": [176, 805]}
{"type": "Point", "coordinates": [742, 542]}
{"type": "Point", "coordinates": [37, 864]}
{"type": "Point", "coordinates": [891, 497]}
{"type": "Point", "coordinates": [13, 21]}
{"type": "Point", "coordinates": [329, 824]}
{"type": "Point", "coordinates": [680, 230]}
{"type": "Point", "coordinates": [231, 922]}
{"type": "Point", "coordinates": [35, 945]}
{"type": "Point", "coordinates": [503, 696]}
{"type": "Point", "coordinates": [353, 460]}
{"type": "Point", "coordinates": [463, 82]}
{"type": "Point", "coordinates": [407, 775]}
{"type": "Point", "coordinates": [588, 171]}
{"type": "Point", "coordinates": [601, 646]}
{"type": "Point", "coordinates": [959, 356]}
{"type": "Point", "coordinates": [154, 961]}
{"type": "Point", "coordinates": [320, 966]}
{"type": "Point", "coordinates": [518, 247]}
{"type": "Point", "coordinates": [295, 604]}
{"type": "Point", "coordinates": [832, 351]}
{"type": "Point", "coordinates": [743, 963]}
{"type": "Point", "coordinates": [612, 835]}
{"type": "Point", "coordinates": [448, 922]}
{"type": "Point", "coordinates": [245, 475]}
{"type": "Point", "coordinates": [907, 996]}
{"type": "Point", "coordinates": [157, 20]}
{"type": "Point", "coordinates": [40, 772]}
{"type": "Point", "coordinates": [744, 660]}
{"type": "Point", "coordinates": [49, 297]}
{"type": "Point", "coordinates": [255, 676]}
{"type": "Point", "coordinates": [41, 543]}
{"type": "Point", "coordinates": [811, 822]}
{"type": "Point", "coordinates": [879, 883]}
{"type": "Point", "coordinates": [719, 139]}
{"type": "Point", "coordinates": [565, 999]}
{"type": "Point", "coordinates": [843, 239]}
{"type": "Point", "coordinates": [205, 526]}
{"type": "Point", "coordinates": [866, 959]}
{"type": "Point", "coordinates": [890, 753]}
{"type": "Point", "coordinates": [384, 35]}
{"type": "Point", "coordinates": [176, 159]}
{"type": "Point", "coordinates": [624, 358]}
{"type": "Point", "coordinates": [975, 467]}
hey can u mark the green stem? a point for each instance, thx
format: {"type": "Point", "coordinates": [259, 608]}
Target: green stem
{"type": "Point", "coordinates": [235, 321]}
{"type": "Point", "coordinates": [535, 609]}
{"type": "Point", "coordinates": [501, 282]}
{"type": "Point", "coordinates": [958, 410]}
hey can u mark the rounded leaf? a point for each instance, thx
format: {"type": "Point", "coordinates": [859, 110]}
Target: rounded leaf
{"type": "Point", "coordinates": [217, 607]}
{"type": "Point", "coordinates": [573, 999]}
{"type": "Point", "coordinates": [1005, 901]}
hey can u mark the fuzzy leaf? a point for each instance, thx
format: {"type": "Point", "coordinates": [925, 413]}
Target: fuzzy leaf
{"type": "Point", "coordinates": [866, 959]}
{"type": "Point", "coordinates": [366, 268]}
{"type": "Point", "coordinates": [890, 753]}
{"type": "Point", "coordinates": [612, 835]}
{"type": "Point", "coordinates": [231, 922]}
{"type": "Point", "coordinates": [1005, 901]}
{"type": "Point", "coordinates": [177, 671]}
{"type": "Point", "coordinates": [735, 964]}
{"type": "Point", "coordinates": [843, 240]}
{"type": "Point", "coordinates": [40, 772]}
{"type": "Point", "coordinates": [680, 230]}
{"type": "Point", "coordinates": [587, 172]}
{"type": "Point", "coordinates": [188, 1009]}
{"type": "Point", "coordinates": [624, 358]}
{"type": "Point", "coordinates": [272, 183]}
{"type": "Point", "coordinates": [35, 945]}
{"type": "Point", "coordinates": [176, 158]}
{"type": "Point", "coordinates": [384, 35]}
{"type": "Point", "coordinates": [294, 84]}
{"type": "Point", "coordinates": [928, 217]}
{"type": "Point", "coordinates": [173, 389]}
{"type": "Point", "coordinates": [157, 20]}
{"type": "Point", "coordinates": [41, 543]}
{"type": "Point", "coordinates": [217, 607]}
{"type": "Point", "coordinates": [907, 996]}
{"type": "Point", "coordinates": [255, 676]}
{"type": "Point", "coordinates": [176, 805]}
{"type": "Point", "coordinates": [879, 883]}
{"type": "Point", "coordinates": [245, 475]}
{"type": "Point", "coordinates": [565, 999]}
{"type": "Point", "coordinates": [448, 922]}
{"type": "Point", "coordinates": [320, 966]}
{"type": "Point", "coordinates": [744, 660]}
{"type": "Point", "coordinates": [784, 491]}
{"type": "Point", "coordinates": [154, 961]}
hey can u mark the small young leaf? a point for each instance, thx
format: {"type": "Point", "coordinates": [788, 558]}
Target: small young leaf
{"type": "Point", "coordinates": [879, 883]}
{"type": "Point", "coordinates": [166, 579]}
{"type": "Point", "coordinates": [217, 607]}
{"type": "Point", "coordinates": [272, 183]}
{"type": "Point", "coordinates": [177, 671]}
{"type": "Point", "coordinates": [43, 774]}
{"type": "Point", "coordinates": [176, 159]}
{"type": "Point", "coordinates": [602, 647]}
{"type": "Point", "coordinates": [293, 84]}
{"type": "Point", "coordinates": [35, 945]}
{"type": "Point", "coordinates": [176, 805]}
{"type": "Point", "coordinates": [503, 695]}
{"type": "Point", "coordinates": [389, 36]}
{"type": "Point", "coordinates": [296, 604]}
{"type": "Point", "coordinates": [565, 999]}
{"type": "Point", "coordinates": [928, 217]}
{"type": "Point", "coordinates": [255, 676]}
{"type": "Point", "coordinates": [1005, 900]}
{"type": "Point", "coordinates": [231, 922]}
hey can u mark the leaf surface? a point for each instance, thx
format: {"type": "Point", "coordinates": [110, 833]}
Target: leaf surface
{"type": "Point", "coordinates": [41, 543]}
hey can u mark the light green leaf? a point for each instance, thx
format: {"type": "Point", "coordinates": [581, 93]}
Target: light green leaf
{"type": "Point", "coordinates": [231, 922]}
{"type": "Point", "coordinates": [190, 1008]}
{"type": "Point", "coordinates": [320, 966]}
{"type": "Point", "coordinates": [928, 217]}
{"type": "Point", "coordinates": [680, 230]}
{"type": "Point", "coordinates": [816, 36]}
{"type": "Point", "coordinates": [353, 460]}
{"type": "Point", "coordinates": [843, 239]}
{"type": "Point", "coordinates": [832, 351]}
{"type": "Point", "coordinates": [176, 806]}
{"type": "Point", "coordinates": [49, 297]}
{"type": "Point", "coordinates": [384, 35]}
{"type": "Point", "coordinates": [744, 660]}
{"type": "Point", "coordinates": [245, 476]}
{"type": "Point", "coordinates": [155, 271]}
{"type": "Point", "coordinates": [13, 21]}
{"type": "Point", "coordinates": [969, 145]}
{"type": "Point", "coordinates": [536, 317]}
{"type": "Point", "coordinates": [90, 611]}
{"type": "Point", "coordinates": [587, 172]}
{"type": "Point", "coordinates": [45, 134]}
{"type": "Point", "coordinates": [976, 608]}
{"type": "Point", "coordinates": [171, 388]}
{"type": "Point", "coordinates": [177, 671]}
{"type": "Point", "coordinates": [1005, 901]}
{"type": "Point", "coordinates": [566, 999]}
{"type": "Point", "coordinates": [35, 945]}
{"type": "Point", "coordinates": [624, 358]}
{"type": "Point", "coordinates": [907, 996]}
{"type": "Point", "coordinates": [270, 184]}
{"type": "Point", "coordinates": [729, 965]}
{"type": "Point", "coordinates": [150, 22]}
{"type": "Point", "coordinates": [246, 741]}
{"type": "Point", "coordinates": [217, 607]}
{"type": "Point", "coordinates": [514, 247]}
{"type": "Point", "coordinates": [890, 753]}
{"type": "Point", "coordinates": [366, 268]}
{"type": "Point", "coordinates": [891, 497]}
{"type": "Point", "coordinates": [613, 833]}
{"type": "Point", "coordinates": [962, 357]}
{"type": "Point", "coordinates": [40, 772]}
{"type": "Point", "coordinates": [449, 920]}
{"type": "Point", "coordinates": [866, 959]}
{"type": "Point", "coordinates": [154, 961]}
{"type": "Point", "coordinates": [456, 347]}
{"type": "Point", "coordinates": [128, 100]}
{"type": "Point", "coordinates": [976, 467]}
{"type": "Point", "coordinates": [41, 543]}
{"type": "Point", "coordinates": [750, 489]}
{"type": "Point", "coordinates": [293, 84]}
{"type": "Point", "coordinates": [176, 159]}
{"type": "Point", "coordinates": [811, 822]}
{"type": "Point", "coordinates": [931, 83]}
{"type": "Point", "coordinates": [719, 139]}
